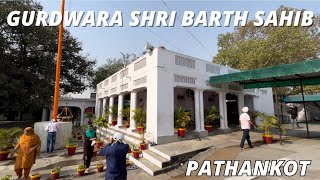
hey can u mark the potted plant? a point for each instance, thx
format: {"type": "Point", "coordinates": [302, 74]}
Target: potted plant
{"type": "Point", "coordinates": [136, 152]}
{"type": "Point", "coordinates": [182, 118]}
{"type": "Point", "coordinates": [90, 116]}
{"type": "Point", "coordinates": [113, 111]}
{"type": "Point", "coordinates": [210, 115]}
{"type": "Point", "coordinates": [55, 173]}
{"type": "Point", "coordinates": [6, 177]}
{"type": "Point", "coordinates": [99, 165]}
{"type": "Point", "coordinates": [126, 115]}
{"type": "Point", "coordinates": [269, 122]}
{"type": "Point", "coordinates": [7, 139]}
{"type": "Point", "coordinates": [101, 121]}
{"type": "Point", "coordinates": [71, 146]}
{"type": "Point", "coordinates": [139, 117]}
{"type": "Point", "coordinates": [143, 145]}
{"type": "Point", "coordinates": [80, 170]}
{"type": "Point", "coordinates": [35, 176]}
{"type": "Point", "coordinates": [99, 143]}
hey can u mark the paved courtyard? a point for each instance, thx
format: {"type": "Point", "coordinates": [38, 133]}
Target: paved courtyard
{"type": "Point", "coordinates": [295, 147]}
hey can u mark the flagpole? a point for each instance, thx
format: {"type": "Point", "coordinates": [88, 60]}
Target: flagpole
{"type": "Point", "coordinates": [58, 65]}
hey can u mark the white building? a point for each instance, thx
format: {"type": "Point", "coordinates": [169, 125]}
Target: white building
{"type": "Point", "coordinates": [163, 80]}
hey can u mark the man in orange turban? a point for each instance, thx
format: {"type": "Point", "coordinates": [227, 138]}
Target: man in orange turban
{"type": "Point", "coordinates": [28, 148]}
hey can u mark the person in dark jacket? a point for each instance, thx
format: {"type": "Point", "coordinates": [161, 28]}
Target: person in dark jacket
{"type": "Point", "coordinates": [115, 153]}
{"type": "Point", "coordinates": [90, 135]}
{"type": "Point", "coordinates": [294, 116]}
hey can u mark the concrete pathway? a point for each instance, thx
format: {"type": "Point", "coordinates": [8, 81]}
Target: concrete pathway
{"type": "Point", "coordinates": [225, 147]}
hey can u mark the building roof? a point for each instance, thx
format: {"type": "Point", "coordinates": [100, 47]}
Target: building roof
{"type": "Point", "coordinates": [293, 74]}
{"type": "Point", "coordinates": [298, 98]}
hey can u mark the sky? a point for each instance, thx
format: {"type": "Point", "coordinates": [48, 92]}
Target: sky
{"type": "Point", "coordinates": [101, 43]}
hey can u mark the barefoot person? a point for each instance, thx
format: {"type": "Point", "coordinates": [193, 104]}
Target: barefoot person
{"type": "Point", "coordinates": [245, 123]}
{"type": "Point", "coordinates": [28, 148]}
{"type": "Point", "coordinates": [116, 152]}
{"type": "Point", "coordinates": [90, 135]}
{"type": "Point", "coordinates": [52, 129]}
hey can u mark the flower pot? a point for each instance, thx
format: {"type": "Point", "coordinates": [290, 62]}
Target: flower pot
{"type": "Point", "coordinates": [99, 144]}
{"type": "Point", "coordinates": [208, 128]}
{"type": "Point", "coordinates": [114, 123]}
{"type": "Point", "coordinates": [80, 172]}
{"type": "Point", "coordinates": [267, 139]}
{"type": "Point", "coordinates": [181, 132]}
{"type": "Point", "coordinates": [127, 125]}
{"type": "Point", "coordinates": [143, 146]}
{"type": "Point", "coordinates": [100, 168]}
{"type": "Point", "coordinates": [4, 155]}
{"type": "Point", "coordinates": [140, 129]}
{"type": "Point", "coordinates": [136, 154]}
{"type": "Point", "coordinates": [129, 150]}
{"type": "Point", "coordinates": [35, 176]}
{"type": "Point", "coordinates": [72, 149]}
{"type": "Point", "coordinates": [55, 175]}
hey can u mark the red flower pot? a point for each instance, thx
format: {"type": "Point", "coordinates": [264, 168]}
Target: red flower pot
{"type": "Point", "coordinates": [100, 168]}
{"type": "Point", "coordinates": [181, 132]}
{"type": "Point", "coordinates": [55, 175]}
{"type": "Point", "coordinates": [72, 150]}
{"type": "Point", "coordinates": [143, 146]}
{"type": "Point", "coordinates": [99, 144]}
{"type": "Point", "coordinates": [80, 173]}
{"type": "Point", "coordinates": [114, 123]}
{"type": "Point", "coordinates": [4, 155]}
{"type": "Point", "coordinates": [209, 128]}
{"type": "Point", "coordinates": [136, 154]}
{"type": "Point", "coordinates": [268, 139]}
{"type": "Point", "coordinates": [127, 125]}
{"type": "Point", "coordinates": [140, 129]}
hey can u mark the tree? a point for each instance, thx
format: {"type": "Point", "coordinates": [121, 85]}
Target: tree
{"type": "Point", "coordinates": [112, 66]}
{"type": "Point", "coordinates": [28, 58]}
{"type": "Point", "coordinates": [253, 47]}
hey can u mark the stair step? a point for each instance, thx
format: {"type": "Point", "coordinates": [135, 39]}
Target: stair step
{"type": "Point", "coordinates": [156, 159]}
{"type": "Point", "coordinates": [156, 151]}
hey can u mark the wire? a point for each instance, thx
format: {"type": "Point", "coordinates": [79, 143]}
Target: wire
{"type": "Point", "coordinates": [157, 35]}
{"type": "Point", "coordinates": [190, 31]}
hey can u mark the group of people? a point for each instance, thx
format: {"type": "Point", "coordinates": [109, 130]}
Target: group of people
{"type": "Point", "coordinates": [28, 149]}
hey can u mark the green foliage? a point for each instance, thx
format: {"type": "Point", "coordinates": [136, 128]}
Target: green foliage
{"type": "Point", "coordinates": [84, 127]}
{"type": "Point", "coordinates": [112, 66]}
{"type": "Point", "coordinates": [269, 122]}
{"type": "Point", "coordinates": [135, 148]}
{"type": "Point", "coordinates": [57, 169]}
{"type": "Point", "coordinates": [70, 141]}
{"type": "Point", "coordinates": [211, 114]}
{"type": "Point", "coordinates": [6, 177]}
{"type": "Point", "coordinates": [139, 116]}
{"type": "Point", "coordinates": [8, 137]}
{"type": "Point", "coordinates": [81, 167]}
{"type": "Point", "coordinates": [182, 117]}
{"type": "Point", "coordinates": [252, 47]}
{"type": "Point", "coordinates": [89, 115]}
{"type": "Point", "coordinates": [28, 59]}
{"type": "Point", "coordinates": [113, 111]}
{"type": "Point", "coordinates": [101, 121]}
{"type": "Point", "coordinates": [126, 113]}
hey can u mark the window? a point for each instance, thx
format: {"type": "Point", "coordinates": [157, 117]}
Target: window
{"type": "Point", "coordinates": [140, 64]}
{"type": "Point", "coordinates": [212, 69]}
{"type": "Point", "coordinates": [184, 79]}
{"type": "Point", "coordinates": [186, 62]}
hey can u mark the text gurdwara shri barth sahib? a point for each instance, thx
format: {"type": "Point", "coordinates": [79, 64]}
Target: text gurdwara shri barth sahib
{"type": "Point", "coordinates": [159, 18]}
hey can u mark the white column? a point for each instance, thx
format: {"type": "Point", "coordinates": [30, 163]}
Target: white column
{"type": "Point", "coordinates": [222, 101]}
{"type": "Point", "coordinates": [120, 108]}
{"type": "Point", "coordinates": [110, 106]}
{"type": "Point", "coordinates": [104, 106]}
{"type": "Point", "coordinates": [225, 111]}
{"type": "Point", "coordinates": [44, 114]}
{"type": "Point", "coordinates": [133, 106]}
{"type": "Point", "coordinates": [197, 109]}
{"type": "Point", "coordinates": [241, 102]}
{"type": "Point", "coordinates": [201, 107]}
{"type": "Point", "coordinates": [82, 116]}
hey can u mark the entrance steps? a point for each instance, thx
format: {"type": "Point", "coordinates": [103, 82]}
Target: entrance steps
{"type": "Point", "coordinates": [158, 159]}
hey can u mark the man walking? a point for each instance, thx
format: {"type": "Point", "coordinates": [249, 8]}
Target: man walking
{"type": "Point", "coordinates": [52, 129]}
{"type": "Point", "coordinates": [116, 153]}
{"type": "Point", "coordinates": [294, 115]}
{"type": "Point", "coordinates": [245, 123]}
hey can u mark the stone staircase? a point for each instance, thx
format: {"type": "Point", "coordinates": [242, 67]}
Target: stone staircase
{"type": "Point", "coordinates": [153, 160]}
